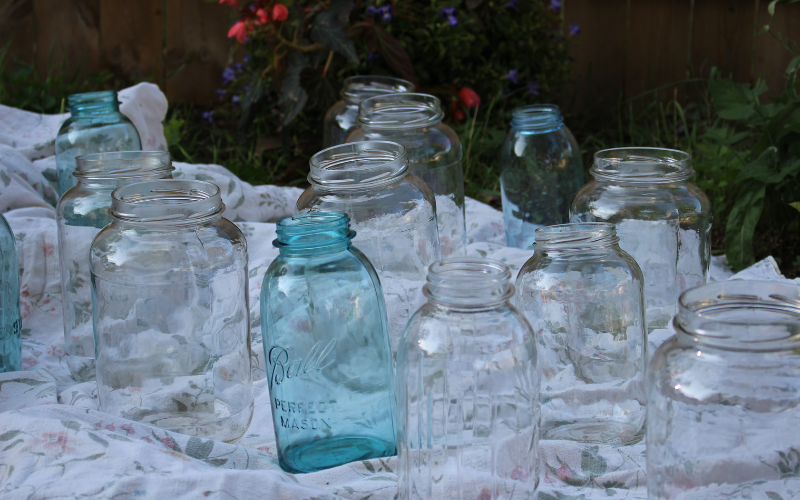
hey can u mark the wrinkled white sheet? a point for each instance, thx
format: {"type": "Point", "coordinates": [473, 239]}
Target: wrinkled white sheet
{"type": "Point", "coordinates": [53, 442]}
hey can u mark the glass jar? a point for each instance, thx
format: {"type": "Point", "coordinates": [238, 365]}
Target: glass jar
{"type": "Point", "coordinates": [341, 118]}
{"type": "Point", "coordinates": [468, 389]}
{"type": "Point", "coordinates": [171, 317]}
{"type": "Point", "coordinates": [392, 212]}
{"type": "Point", "coordinates": [95, 126]}
{"type": "Point", "coordinates": [10, 341]}
{"type": "Point", "coordinates": [663, 221]}
{"type": "Point", "coordinates": [81, 213]}
{"type": "Point", "coordinates": [540, 172]}
{"type": "Point", "coordinates": [583, 297]}
{"type": "Point", "coordinates": [326, 345]}
{"type": "Point", "coordinates": [724, 395]}
{"type": "Point", "coordinates": [434, 154]}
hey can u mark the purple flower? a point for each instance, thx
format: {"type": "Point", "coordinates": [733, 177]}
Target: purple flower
{"type": "Point", "coordinates": [238, 67]}
{"type": "Point", "coordinates": [386, 12]}
{"type": "Point", "coordinates": [245, 88]}
{"type": "Point", "coordinates": [247, 58]}
{"type": "Point", "coordinates": [208, 116]}
{"type": "Point", "coordinates": [512, 5]}
{"type": "Point", "coordinates": [228, 75]}
{"type": "Point", "coordinates": [555, 5]}
{"type": "Point", "coordinates": [512, 75]}
{"type": "Point", "coordinates": [372, 11]}
{"type": "Point", "coordinates": [221, 92]}
{"type": "Point", "coordinates": [449, 13]}
{"type": "Point", "coordinates": [235, 99]}
{"type": "Point", "coordinates": [372, 56]}
{"type": "Point", "coordinates": [574, 29]}
{"type": "Point", "coordinates": [533, 87]}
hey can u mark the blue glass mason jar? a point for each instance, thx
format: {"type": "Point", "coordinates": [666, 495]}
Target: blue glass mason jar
{"type": "Point", "coordinates": [10, 343]}
{"type": "Point", "coordinates": [95, 126]}
{"type": "Point", "coordinates": [541, 170]}
{"type": "Point", "coordinates": [326, 344]}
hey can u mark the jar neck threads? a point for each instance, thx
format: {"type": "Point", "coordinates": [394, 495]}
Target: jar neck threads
{"type": "Point", "coordinates": [319, 232]}
{"type": "Point", "coordinates": [400, 112]}
{"type": "Point", "coordinates": [93, 103]}
{"type": "Point", "coordinates": [537, 118]}
{"type": "Point", "coordinates": [167, 202]}
{"type": "Point", "coordinates": [119, 166]}
{"type": "Point", "coordinates": [358, 165]}
{"type": "Point", "coordinates": [358, 88]}
{"type": "Point", "coordinates": [753, 316]}
{"type": "Point", "coordinates": [579, 237]}
{"type": "Point", "coordinates": [468, 283]}
{"type": "Point", "coordinates": [642, 166]}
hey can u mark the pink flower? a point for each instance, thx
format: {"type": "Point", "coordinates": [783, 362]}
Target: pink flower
{"type": "Point", "coordinates": [99, 424]}
{"type": "Point", "coordinates": [49, 249]}
{"type": "Point", "coordinates": [519, 474]}
{"type": "Point", "coordinates": [563, 472]}
{"type": "Point", "coordinates": [280, 12]}
{"type": "Point", "coordinates": [24, 309]}
{"type": "Point", "coordinates": [231, 3]}
{"type": "Point", "coordinates": [56, 441]}
{"type": "Point", "coordinates": [29, 362]}
{"type": "Point", "coordinates": [485, 494]}
{"type": "Point", "coordinates": [263, 17]}
{"type": "Point", "coordinates": [110, 427]}
{"type": "Point", "coordinates": [128, 428]}
{"type": "Point", "coordinates": [146, 438]}
{"type": "Point", "coordinates": [55, 350]}
{"type": "Point", "coordinates": [238, 31]}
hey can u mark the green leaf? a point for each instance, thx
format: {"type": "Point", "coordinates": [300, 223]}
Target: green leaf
{"type": "Point", "coordinates": [778, 126]}
{"type": "Point", "coordinates": [732, 101]}
{"type": "Point", "coordinates": [9, 435]}
{"type": "Point", "coordinates": [70, 424]}
{"type": "Point", "coordinates": [773, 496]}
{"type": "Point", "coordinates": [741, 226]}
{"type": "Point", "coordinates": [395, 54]}
{"type": "Point", "coordinates": [13, 444]}
{"type": "Point", "coordinates": [249, 103]}
{"type": "Point", "coordinates": [196, 448]}
{"type": "Point", "coordinates": [328, 29]}
{"type": "Point", "coordinates": [795, 205]}
{"type": "Point", "coordinates": [98, 439]}
{"type": "Point", "coordinates": [771, 7]}
{"type": "Point", "coordinates": [368, 466]}
{"type": "Point", "coordinates": [592, 463]}
{"type": "Point", "coordinates": [292, 97]}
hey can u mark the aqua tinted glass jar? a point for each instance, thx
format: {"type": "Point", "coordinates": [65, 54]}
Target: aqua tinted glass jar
{"type": "Point", "coordinates": [170, 310]}
{"type": "Point", "coordinates": [468, 389]}
{"type": "Point", "coordinates": [81, 213]}
{"type": "Point", "coordinates": [326, 345]}
{"type": "Point", "coordinates": [341, 118]}
{"type": "Point", "coordinates": [540, 172]}
{"type": "Point", "coordinates": [724, 395]}
{"type": "Point", "coordinates": [434, 154]}
{"type": "Point", "coordinates": [583, 297]}
{"type": "Point", "coordinates": [10, 341]}
{"type": "Point", "coordinates": [95, 126]}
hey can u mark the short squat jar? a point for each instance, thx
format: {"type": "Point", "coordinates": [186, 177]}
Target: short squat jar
{"type": "Point", "coordinates": [663, 221]}
{"type": "Point", "coordinates": [326, 345]}
{"type": "Point", "coordinates": [81, 213]}
{"type": "Point", "coordinates": [468, 389]}
{"type": "Point", "coordinates": [724, 395]}
{"type": "Point", "coordinates": [583, 297]}
{"type": "Point", "coordinates": [341, 118]}
{"type": "Point", "coordinates": [540, 172]}
{"type": "Point", "coordinates": [95, 126]}
{"type": "Point", "coordinates": [10, 323]}
{"type": "Point", "coordinates": [434, 154]}
{"type": "Point", "coordinates": [171, 317]}
{"type": "Point", "coordinates": [392, 212]}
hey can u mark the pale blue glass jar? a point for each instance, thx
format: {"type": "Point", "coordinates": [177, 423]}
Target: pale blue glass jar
{"type": "Point", "coordinates": [10, 343]}
{"type": "Point", "coordinates": [541, 170]}
{"type": "Point", "coordinates": [95, 126]}
{"type": "Point", "coordinates": [326, 344]}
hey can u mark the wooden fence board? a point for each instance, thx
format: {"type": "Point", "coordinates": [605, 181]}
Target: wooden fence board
{"type": "Point", "coordinates": [17, 29]}
{"type": "Point", "coordinates": [68, 33]}
{"type": "Point", "coordinates": [131, 38]}
{"type": "Point", "coordinates": [771, 57]}
{"type": "Point", "coordinates": [723, 37]}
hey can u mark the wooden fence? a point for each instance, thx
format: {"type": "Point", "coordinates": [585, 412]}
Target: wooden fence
{"type": "Point", "coordinates": [625, 47]}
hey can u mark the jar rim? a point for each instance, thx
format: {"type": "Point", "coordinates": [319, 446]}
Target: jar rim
{"type": "Point", "coordinates": [314, 230]}
{"type": "Point", "coordinates": [468, 282]}
{"type": "Point", "coordinates": [575, 236]}
{"type": "Point", "coordinates": [642, 165]}
{"type": "Point", "coordinates": [355, 165]}
{"type": "Point", "coordinates": [741, 315]}
{"type": "Point", "coordinates": [537, 117]}
{"type": "Point", "coordinates": [92, 97]}
{"type": "Point", "coordinates": [167, 202]}
{"type": "Point", "coordinates": [121, 165]}
{"type": "Point", "coordinates": [358, 88]}
{"type": "Point", "coordinates": [400, 111]}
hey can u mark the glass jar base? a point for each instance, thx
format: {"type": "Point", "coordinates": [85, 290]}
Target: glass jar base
{"type": "Point", "coordinates": [327, 453]}
{"type": "Point", "coordinates": [596, 431]}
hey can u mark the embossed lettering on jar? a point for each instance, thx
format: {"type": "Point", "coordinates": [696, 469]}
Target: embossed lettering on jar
{"type": "Point", "coordinates": [171, 317]}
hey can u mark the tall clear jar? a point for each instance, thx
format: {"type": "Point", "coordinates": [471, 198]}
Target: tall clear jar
{"type": "Point", "coordinates": [724, 395]}
{"type": "Point", "coordinates": [583, 297]}
{"type": "Point", "coordinates": [392, 212]}
{"type": "Point", "coordinates": [80, 214]}
{"type": "Point", "coordinates": [10, 340]}
{"type": "Point", "coordinates": [540, 172]}
{"type": "Point", "coordinates": [326, 345]}
{"type": "Point", "coordinates": [434, 154]}
{"type": "Point", "coordinates": [171, 317]}
{"type": "Point", "coordinates": [468, 389]}
{"type": "Point", "coordinates": [663, 220]}
{"type": "Point", "coordinates": [341, 118]}
{"type": "Point", "coordinates": [95, 126]}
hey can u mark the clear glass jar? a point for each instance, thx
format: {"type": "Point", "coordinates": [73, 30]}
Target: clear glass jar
{"type": "Point", "coordinates": [583, 297]}
{"type": "Point", "coordinates": [724, 395]}
{"type": "Point", "coordinates": [392, 212]}
{"type": "Point", "coordinates": [81, 213]}
{"type": "Point", "coordinates": [326, 345]}
{"type": "Point", "coordinates": [341, 118]}
{"type": "Point", "coordinates": [468, 389]}
{"type": "Point", "coordinates": [95, 126]}
{"type": "Point", "coordinates": [434, 154]}
{"type": "Point", "coordinates": [540, 172]}
{"type": "Point", "coordinates": [10, 340]}
{"type": "Point", "coordinates": [171, 317]}
{"type": "Point", "coordinates": [663, 221]}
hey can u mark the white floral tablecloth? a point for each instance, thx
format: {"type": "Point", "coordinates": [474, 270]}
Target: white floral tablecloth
{"type": "Point", "coordinates": [54, 444]}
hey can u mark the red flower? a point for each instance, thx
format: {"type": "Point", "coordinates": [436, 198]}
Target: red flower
{"type": "Point", "coordinates": [469, 97]}
{"type": "Point", "coordinates": [239, 31]}
{"type": "Point", "coordinates": [263, 17]}
{"type": "Point", "coordinates": [458, 115]}
{"type": "Point", "coordinates": [280, 12]}
{"type": "Point", "coordinates": [232, 3]}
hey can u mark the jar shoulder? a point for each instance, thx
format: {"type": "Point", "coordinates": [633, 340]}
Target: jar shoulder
{"type": "Point", "coordinates": [439, 144]}
{"type": "Point", "coordinates": [409, 195]}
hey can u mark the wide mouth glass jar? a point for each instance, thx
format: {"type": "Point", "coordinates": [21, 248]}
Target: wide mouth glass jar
{"type": "Point", "coordinates": [724, 395]}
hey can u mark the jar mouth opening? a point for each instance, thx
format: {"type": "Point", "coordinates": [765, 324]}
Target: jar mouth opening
{"type": "Point", "coordinates": [642, 166]}
{"type": "Point", "coordinates": [358, 164]}
{"type": "Point", "coordinates": [313, 230]}
{"type": "Point", "coordinates": [468, 282]}
{"type": "Point", "coordinates": [167, 201]}
{"type": "Point", "coordinates": [358, 88]}
{"type": "Point", "coordinates": [538, 117]}
{"type": "Point", "coordinates": [575, 236]}
{"type": "Point", "coordinates": [400, 111]}
{"type": "Point", "coordinates": [121, 165]}
{"type": "Point", "coordinates": [93, 101]}
{"type": "Point", "coordinates": [756, 316]}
